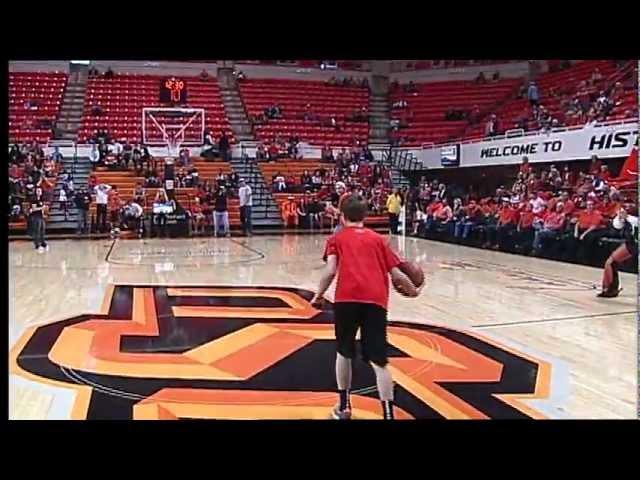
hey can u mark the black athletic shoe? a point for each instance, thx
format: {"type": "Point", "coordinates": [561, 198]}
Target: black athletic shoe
{"type": "Point", "coordinates": [609, 293]}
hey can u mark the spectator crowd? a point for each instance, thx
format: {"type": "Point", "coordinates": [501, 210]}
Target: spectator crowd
{"type": "Point", "coordinates": [555, 212]}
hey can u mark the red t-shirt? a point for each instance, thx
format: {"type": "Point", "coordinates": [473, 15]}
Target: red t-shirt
{"type": "Point", "coordinates": [587, 220]}
{"type": "Point", "coordinates": [526, 219]}
{"type": "Point", "coordinates": [364, 262]}
{"type": "Point", "coordinates": [509, 215]}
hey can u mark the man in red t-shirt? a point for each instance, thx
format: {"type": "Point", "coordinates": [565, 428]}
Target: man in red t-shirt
{"type": "Point", "coordinates": [553, 225]}
{"type": "Point", "coordinates": [362, 260]}
{"type": "Point", "coordinates": [507, 224]}
{"type": "Point", "coordinates": [587, 231]}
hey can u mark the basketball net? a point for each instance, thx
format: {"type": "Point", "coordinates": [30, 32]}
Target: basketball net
{"type": "Point", "coordinates": [173, 141]}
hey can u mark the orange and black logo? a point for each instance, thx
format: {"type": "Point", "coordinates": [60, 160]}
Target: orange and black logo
{"type": "Point", "coordinates": [262, 353]}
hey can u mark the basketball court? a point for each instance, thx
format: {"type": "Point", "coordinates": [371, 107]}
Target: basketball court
{"type": "Point", "coordinates": [222, 328]}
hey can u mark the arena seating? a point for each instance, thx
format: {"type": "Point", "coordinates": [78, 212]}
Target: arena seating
{"type": "Point", "coordinates": [44, 93]}
{"type": "Point", "coordinates": [428, 105]}
{"type": "Point", "coordinates": [562, 83]}
{"type": "Point", "coordinates": [293, 96]}
{"type": "Point", "coordinates": [126, 182]}
{"type": "Point", "coordinates": [290, 169]}
{"type": "Point", "coordinates": [123, 97]}
{"type": "Point", "coordinates": [372, 221]}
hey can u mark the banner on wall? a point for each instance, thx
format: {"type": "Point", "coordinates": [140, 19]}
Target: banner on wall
{"type": "Point", "coordinates": [607, 141]}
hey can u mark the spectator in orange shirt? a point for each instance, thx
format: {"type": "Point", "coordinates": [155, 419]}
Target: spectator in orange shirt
{"type": "Point", "coordinates": [290, 211]}
{"type": "Point", "coordinates": [431, 211]}
{"type": "Point", "coordinates": [608, 207]}
{"type": "Point", "coordinates": [525, 230]}
{"type": "Point", "coordinates": [553, 225]}
{"type": "Point", "coordinates": [473, 216]}
{"type": "Point", "coordinates": [508, 217]}
{"type": "Point", "coordinates": [114, 203]}
{"type": "Point", "coordinates": [587, 228]}
{"type": "Point", "coordinates": [442, 217]}
{"type": "Point", "coordinates": [197, 217]}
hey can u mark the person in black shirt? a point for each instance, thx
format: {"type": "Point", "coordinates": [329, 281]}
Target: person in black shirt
{"type": "Point", "coordinates": [221, 214]}
{"type": "Point", "coordinates": [83, 201]}
{"type": "Point", "coordinates": [223, 146]}
{"type": "Point", "coordinates": [628, 230]}
{"type": "Point", "coordinates": [36, 221]}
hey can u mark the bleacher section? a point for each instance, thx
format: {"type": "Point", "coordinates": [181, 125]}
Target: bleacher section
{"type": "Point", "coordinates": [428, 105]}
{"type": "Point", "coordinates": [293, 96]}
{"type": "Point", "coordinates": [126, 182]}
{"type": "Point", "coordinates": [295, 169]}
{"type": "Point", "coordinates": [565, 83]}
{"type": "Point", "coordinates": [123, 97]}
{"type": "Point", "coordinates": [34, 98]}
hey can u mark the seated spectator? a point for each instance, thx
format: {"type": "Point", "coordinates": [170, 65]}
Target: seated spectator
{"type": "Point", "coordinates": [508, 218]}
{"type": "Point", "coordinates": [221, 179]}
{"type": "Point", "coordinates": [273, 152]}
{"type": "Point", "coordinates": [305, 180]}
{"type": "Point", "coordinates": [109, 73]}
{"type": "Point", "coordinates": [551, 228]}
{"type": "Point", "coordinates": [525, 166]}
{"type": "Point", "coordinates": [289, 211]}
{"type": "Point", "coordinates": [204, 75]}
{"type": "Point", "coordinates": [279, 182]}
{"type": "Point", "coordinates": [588, 226]}
{"type": "Point", "coordinates": [496, 76]}
{"type": "Point", "coordinates": [326, 154]}
{"type": "Point", "coordinates": [261, 155]}
{"type": "Point", "coordinates": [480, 79]}
{"type": "Point", "coordinates": [197, 217]}
{"type": "Point", "coordinates": [132, 217]}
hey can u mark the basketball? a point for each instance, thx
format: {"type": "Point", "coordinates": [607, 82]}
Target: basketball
{"type": "Point", "coordinates": [416, 278]}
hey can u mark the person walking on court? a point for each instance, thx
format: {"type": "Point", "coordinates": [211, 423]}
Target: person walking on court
{"type": "Point", "coordinates": [102, 197]}
{"type": "Point", "coordinates": [36, 221]}
{"type": "Point", "coordinates": [394, 207]}
{"type": "Point", "coordinates": [83, 201]}
{"type": "Point", "coordinates": [362, 260]}
{"type": "Point", "coordinates": [221, 213]}
{"type": "Point", "coordinates": [246, 202]}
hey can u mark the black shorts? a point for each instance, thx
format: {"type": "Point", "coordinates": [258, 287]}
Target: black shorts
{"type": "Point", "coordinates": [371, 319]}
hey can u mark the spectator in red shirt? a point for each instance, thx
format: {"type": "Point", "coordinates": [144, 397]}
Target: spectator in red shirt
{"type": "Point", "coordinates": [608, 207]}
{"type": "Point", "coordinates": [586, 231]}
{"type": "Point", "coordinates": [605, 174]}
{"type": "Point", "coordinates": [443, 216]}
{"type": "Point", "coordinates": [197, 217]}
{"type": "Point", "coordinates": [525, 230]}
{"type": "Point", "coordinates": [553, 225]}
{"type": "Point", "coordinates": [507, 224]}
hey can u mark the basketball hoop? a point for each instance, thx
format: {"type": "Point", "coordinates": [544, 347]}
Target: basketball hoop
{"type": "Point", "coordinates": [173, 127]}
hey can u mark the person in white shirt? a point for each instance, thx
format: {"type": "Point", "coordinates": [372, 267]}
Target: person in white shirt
{"type": "Point", "coordinates": [281, 184]}
{"type": "Point", "coordinates": [538, 203]}
{"type": "Point", "coordinates": [94, 156]}
{"type": "Point", "coordinates": [102, 197]}
{"type": "Point", "coordinates": [246, 202]}
{"type": "Point", "coordinates": [63, 202]}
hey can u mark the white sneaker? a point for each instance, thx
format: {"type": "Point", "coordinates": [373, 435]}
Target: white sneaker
{"type": "Point", "coordinates": [40, 249]}
{"type": "Point", "coordinates": [46, 248]}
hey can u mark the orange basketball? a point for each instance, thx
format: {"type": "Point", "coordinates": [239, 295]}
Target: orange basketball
{"type": "Point", "coordinates": [416, 277]}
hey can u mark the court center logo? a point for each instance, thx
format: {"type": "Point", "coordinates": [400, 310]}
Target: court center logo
{"type": "Point", "coordinates": [262, 353]}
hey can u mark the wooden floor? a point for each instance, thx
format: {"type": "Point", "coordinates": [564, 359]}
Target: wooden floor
{"type": "Point", "coordinates": [539, 309]}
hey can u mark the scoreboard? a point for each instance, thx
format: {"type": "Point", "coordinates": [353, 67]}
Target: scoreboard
{"type": "Point", "coordinates": [173, 91]}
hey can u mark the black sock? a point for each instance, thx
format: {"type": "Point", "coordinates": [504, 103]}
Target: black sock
{"type": "Point", "coordinates": [387, 409]}
{"type": "Point", "coordinates": [345, 401]}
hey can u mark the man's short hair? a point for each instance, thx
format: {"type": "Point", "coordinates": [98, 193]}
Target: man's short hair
{"type": "Point", "coordinates": [354, 208]}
